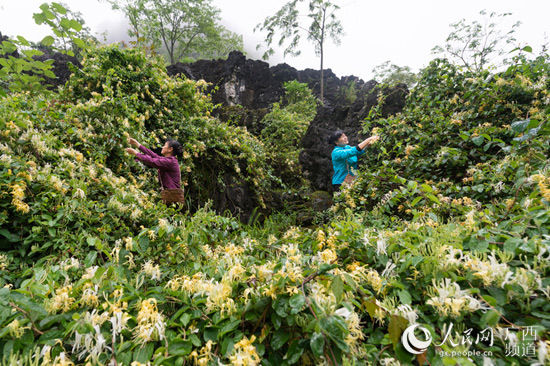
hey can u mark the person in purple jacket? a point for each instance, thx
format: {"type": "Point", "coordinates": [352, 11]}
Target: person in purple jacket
{"type": "Point", "coordinates": [169, 173]}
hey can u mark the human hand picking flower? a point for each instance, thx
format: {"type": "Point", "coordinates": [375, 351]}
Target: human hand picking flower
{"type": "Point", "coordinates": [133, 142]}
{"type": "Point", "coordinates": [371, 140]}
{"type": "Point", "coordinates": [129, 150]}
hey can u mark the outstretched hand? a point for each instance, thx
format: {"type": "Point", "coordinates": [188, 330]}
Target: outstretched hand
{"type": "Point", "coordinates": [133, 142]}
{"type": "Point", "coordinates": [129, 150]}
{"type": "Point", "coordinates": [371, 140]}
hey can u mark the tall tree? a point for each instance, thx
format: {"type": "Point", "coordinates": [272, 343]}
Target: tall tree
{"type": "Point", "coordinates": [321, 25]}
{"type": "Point", "coordinates": [184, 28]}
{"type": "Point", "coordinates": [478, 44]}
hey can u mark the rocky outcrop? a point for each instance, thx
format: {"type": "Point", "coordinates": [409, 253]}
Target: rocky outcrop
{"type": "Point", "coordinates": [247, 88]}
{"type": "Point", "coordinates": [60, 66]}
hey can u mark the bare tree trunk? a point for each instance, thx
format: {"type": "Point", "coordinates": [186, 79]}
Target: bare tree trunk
{"type": "Point", "coordinates": [322, 56]}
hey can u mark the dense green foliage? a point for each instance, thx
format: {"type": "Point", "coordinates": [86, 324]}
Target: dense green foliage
{"type": "Point", "coordinates": [284, 127]}
{"type": "Point", "coordinates": [447, 223]}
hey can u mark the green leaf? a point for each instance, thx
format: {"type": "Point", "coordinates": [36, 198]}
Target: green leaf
{"type": "Point", "coordinates": [39, 18]}
{"type": "Point", "coordinates": [185, 318]}
{"type": "Point", "coordinates": [520, 126]}
{"type": "Point", "coordinates": [48, 14]}
{"type": "Point", "coordinates": [511, 244]}
{"type": "Point", "coordinates": [65, 23]}
{"type": "Point", "coordinates": [79, 43]}
{"type": "Point", "coordinates": [228, 327]}
{"type": "Point", "coordinates": [23, 41]}
{"type": "Point", "coordinates": [210, 334]}
{"type": "Point", "coordinates": [47, 41]}
{"type": "Point", "coordinates": [59, 8]}
{"type": "Point", "coordinates": [490, 318]}
{"type": "Point", "coordinates": [195, 340]}
{"type": "Point", "coordinates": [280, 337]}
{"type": "Point", "coordinates": [426, 188]}
{"type": "Point", "coordinates": [10, 236]}
{"type": "Point", "coordinates": [294, 352]}
{"type": "Point", "coordinates": [75, 24]}
{"type": "Point", "coordinates": [49, 74]}
{"type": "Point", "coordinates": [90, 258]}
{"type": "Point", "coordinates": [179, 348]}
{"type": "Point", "coordinates": [297, 302]}
{"type": "Point", "coordinates": [397, 325]}
{"type": "Point", "coordinates": [371, 307]}
{"type": "Point", "coordinates": [317, 344]}
{"type": "Point", "coordinates": [478, 140]}
{"type": "Point", "coordinates": [281, 307]}
{"type": "Point", "coordinates": [337, 288]}
{"type": "Point", "coordinates": [432, 198]}
{"type": "Point", "coordinates": [5, 63]}
{"type": "Point", "coordinates": [490, 300]}
{"type": "Point", "coordinates": [416, 200]}
{"type": "Point", "coordinates": [404, 297]}
{"type": "Point", "coordinates": [337, 330]}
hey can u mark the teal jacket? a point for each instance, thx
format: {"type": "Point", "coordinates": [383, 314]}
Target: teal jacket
{"type": "Point", "coordinates": [342, 158]}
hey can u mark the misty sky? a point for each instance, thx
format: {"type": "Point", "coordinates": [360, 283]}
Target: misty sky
{"type": "Point", "coordinates": [402, 31]}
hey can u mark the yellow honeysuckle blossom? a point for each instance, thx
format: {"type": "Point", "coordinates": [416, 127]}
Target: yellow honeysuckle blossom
{"type": "Point", "coordinates": [244, 353]}
{"type": "Point", "coordinates": [89, 295]}
{"type": "Point", "coordinates": [15, 329]}
{"type": "Point", "coordinates": [61, 301]}
{"type": "Point", "coordinates": [150, 322]}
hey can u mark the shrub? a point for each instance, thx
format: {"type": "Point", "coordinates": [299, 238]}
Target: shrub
{"type": "Point", "coordinates": [284, 128]}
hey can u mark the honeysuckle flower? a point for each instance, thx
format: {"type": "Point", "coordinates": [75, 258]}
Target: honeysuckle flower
{"type": "Point", "coordinates": [62, 300]}
{"type": "Point", "coordinates": [62, 360]}
{"type": "Point", "coordinates": [151, 270]}
{"type": "Point", "coordinates": [244, 353]}
{"type": "Point", "coordinates": [407, 312]}
{"type": "Point", "coordinates": [4, 261]}
{"type": "Point", "coordinates": [89, 295]}
{"type": "Point", "coordinates": [389, 361]}
{"type": "Point", "coordinates": [70, 263]}
{"type": "Point", "coordinates": [389, 271]}
{"type": "Point", "coordinates": [343, 312]}
{"type": "Point", "coordinates": [89, 273]}
{"type": "Point", "coordinates": [79, 193]}
{"type": "Point", "coordinates": [150, 322]}
{"type": "Point", "coordinates": [448, 298]}
{"type": "Point", "coordinates": [15, 329]}
{"type": "Point", "coordinates": [374, 280]}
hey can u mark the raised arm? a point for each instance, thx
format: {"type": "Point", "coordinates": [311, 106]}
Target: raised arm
{"type": "Point", "coordinates": [160, 162]}
{"type": "Point", "coordinates": [369, 141]}
{"type": "Point", "coordinates": [146, 151]}
{"type": "Point", "coordinates": [142, 148]}
{"type": "Point", "coordinates": [345, 154]}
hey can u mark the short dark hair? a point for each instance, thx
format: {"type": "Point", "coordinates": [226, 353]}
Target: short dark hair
{"type": "Point", "coordinates": [335, 136]}
{"type": "Point", "coordinates": [176, 146]}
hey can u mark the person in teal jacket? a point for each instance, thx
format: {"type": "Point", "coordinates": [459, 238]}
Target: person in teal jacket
{"type": "Point", "coordinates": [344, 156]}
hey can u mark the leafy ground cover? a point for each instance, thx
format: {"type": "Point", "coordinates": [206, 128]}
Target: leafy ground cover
{"type": "Point", "coordinates": [446, 227]}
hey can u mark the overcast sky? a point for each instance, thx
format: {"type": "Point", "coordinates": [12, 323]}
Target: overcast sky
{"type": "Point", "coordinates": [402, 31]}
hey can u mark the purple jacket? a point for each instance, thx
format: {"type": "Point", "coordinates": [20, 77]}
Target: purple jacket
{"type": "Point", "coordinates": [168, 167]}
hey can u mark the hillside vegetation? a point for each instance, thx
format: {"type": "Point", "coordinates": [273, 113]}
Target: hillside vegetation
{"type": "Point", "coordinates": [448, 223]}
